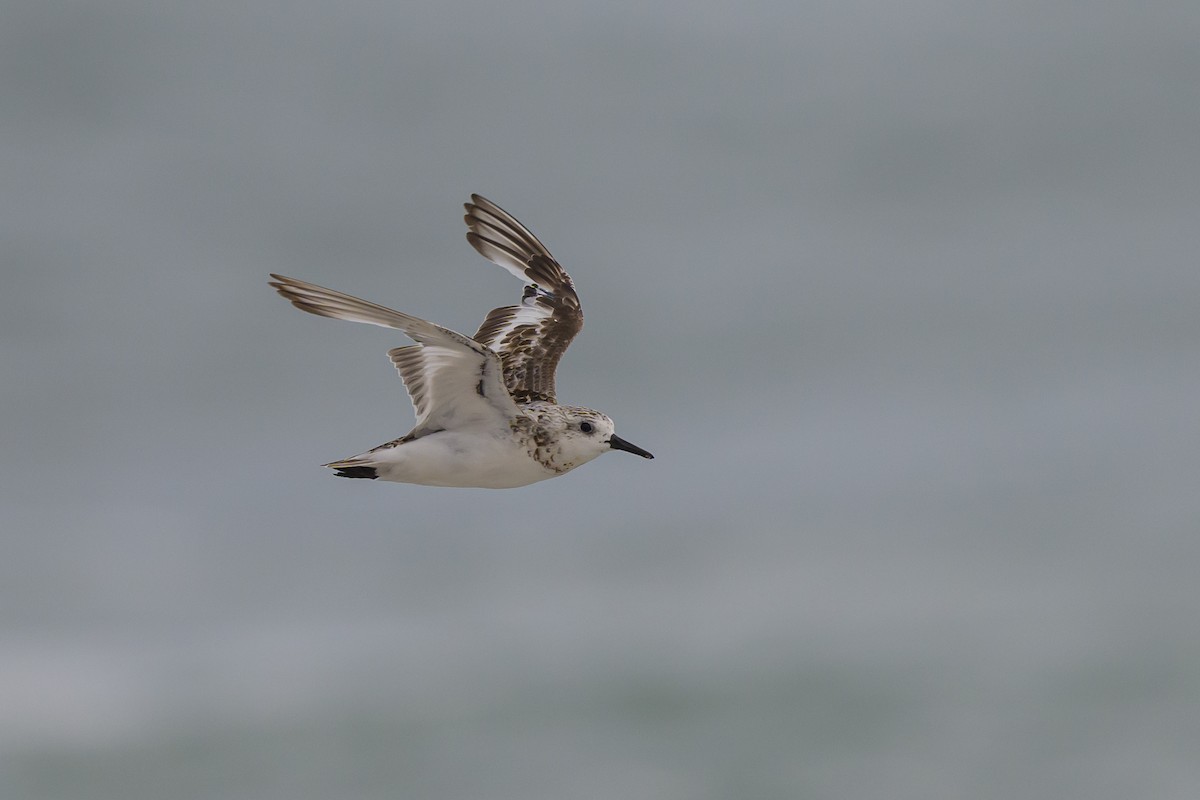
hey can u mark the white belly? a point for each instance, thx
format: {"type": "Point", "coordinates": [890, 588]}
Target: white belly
{"type": "Point", "coordinates": [457, 458]}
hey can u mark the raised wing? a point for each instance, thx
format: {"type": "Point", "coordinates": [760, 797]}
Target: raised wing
{"type": "Point", "coordinates": [530, 338]}
{"type": "Point", "coordinates": [454, 381]}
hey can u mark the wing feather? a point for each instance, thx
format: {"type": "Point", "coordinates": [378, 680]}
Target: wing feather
{"type": "Point", "coordinates": [454, 381]}
{"type": "Point", "coordinates": [530, 338]}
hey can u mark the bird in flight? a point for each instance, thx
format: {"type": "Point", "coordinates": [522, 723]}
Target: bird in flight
{"type": "Point", "coordinates": [486, 408]}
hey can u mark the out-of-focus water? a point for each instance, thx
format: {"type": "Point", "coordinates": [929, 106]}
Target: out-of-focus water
{"type": "Point", "coordinates": [904, 300]}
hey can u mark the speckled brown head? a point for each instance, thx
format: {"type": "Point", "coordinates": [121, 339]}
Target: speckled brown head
{"type": "Point", "coordinates": [564, 437]}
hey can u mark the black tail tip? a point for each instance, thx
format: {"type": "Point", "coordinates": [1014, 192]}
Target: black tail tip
{"type": "Point", "coordinates": [357, 472]}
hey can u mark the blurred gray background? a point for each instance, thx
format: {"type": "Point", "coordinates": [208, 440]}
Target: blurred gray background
{"type": "Point", "coordinates": [903, 297]}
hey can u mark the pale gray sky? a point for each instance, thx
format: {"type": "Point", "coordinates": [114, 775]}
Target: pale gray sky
{"type": "Point", "coordinates": [902, 297]}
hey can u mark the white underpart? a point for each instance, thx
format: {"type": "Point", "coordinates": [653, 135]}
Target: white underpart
{"type": "Point", "coordinates": [458, 458]}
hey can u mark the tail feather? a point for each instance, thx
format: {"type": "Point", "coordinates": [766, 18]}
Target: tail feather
{"type": "Point", "coordinates": [350, 469]}
{"type": "Point", "coordinates": [357, 472]}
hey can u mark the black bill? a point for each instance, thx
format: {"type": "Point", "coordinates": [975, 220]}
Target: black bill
{"type": "Point", "coordinates": [617, 443]}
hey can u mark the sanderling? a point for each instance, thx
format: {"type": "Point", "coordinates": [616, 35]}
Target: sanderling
{"type": "Point", "coordinates": [487, 415]}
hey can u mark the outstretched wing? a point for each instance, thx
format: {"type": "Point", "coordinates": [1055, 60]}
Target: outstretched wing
{"type": "Point", "coordinates": [530, 338]}
{"type": "Point", "coordinates": [454, 381]}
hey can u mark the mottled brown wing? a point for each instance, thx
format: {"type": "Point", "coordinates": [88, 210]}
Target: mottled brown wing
{"type": "Point", "coordinates": [530, 338]}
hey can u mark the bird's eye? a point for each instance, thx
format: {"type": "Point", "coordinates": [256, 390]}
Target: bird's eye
{"type": "Point", "coordinates": [586, 427]}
